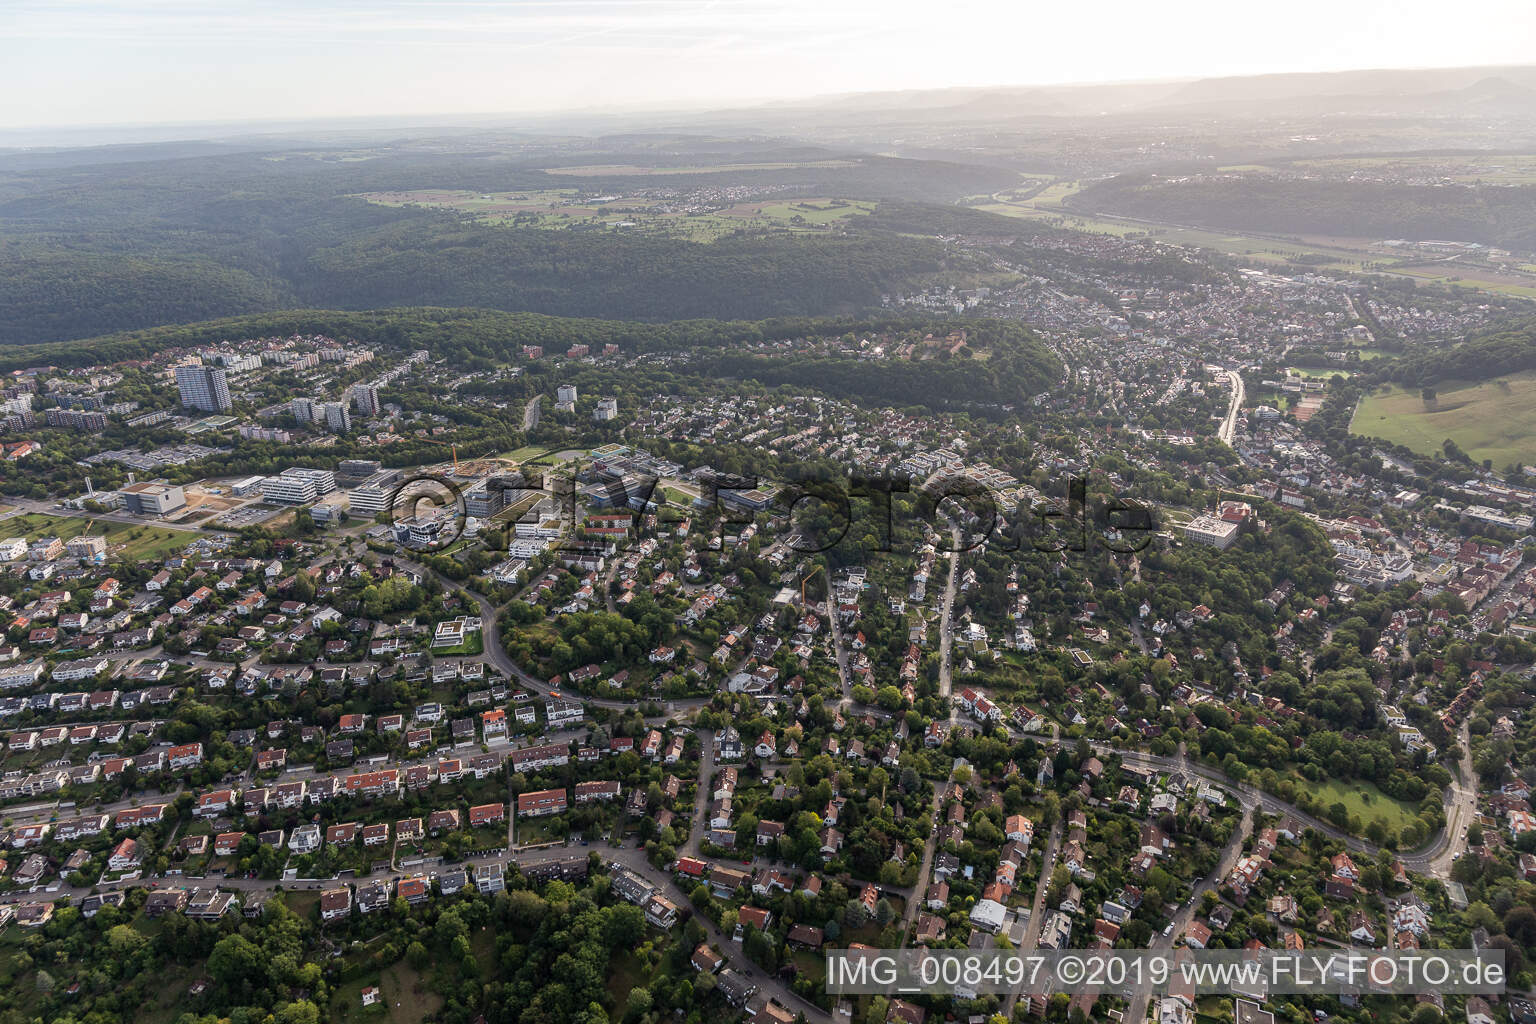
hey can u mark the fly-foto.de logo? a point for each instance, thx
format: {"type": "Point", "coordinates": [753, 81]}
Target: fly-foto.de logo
{"type": "Point", "coordinates": [426, 512]}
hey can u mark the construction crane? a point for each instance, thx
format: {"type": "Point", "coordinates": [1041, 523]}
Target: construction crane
{"type": "Point", "coordinates": [803, 580]}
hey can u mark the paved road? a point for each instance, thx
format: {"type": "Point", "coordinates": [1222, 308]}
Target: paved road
{"type": "Point", "coordinates": [49, 508]}
{"type": "Point", "coordinates": [947, 623]}
{"type": "Point", "coordinates": [1037, 908]}
{"type": "Point", "coordinates": [497, 655]}
{"type": "Point", "coordinates": [1460, 810]}
{"type": "Point", "coordinates": [1434, 858]}
{"type": "Point", "coordinates": [1228, 429]}
{"type": "Point", "coordinates": [631, 858]}
{"type": "Point", "coordinates": [946, 613]}
{"type": "Point", "coordinates": [1137, 1010]}
{"type": "Point", "coordinates": [701, 795]}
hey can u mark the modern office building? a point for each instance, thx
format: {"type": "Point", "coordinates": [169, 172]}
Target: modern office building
{"type": "Point", "coordinates": [359, 468]}
{"type": "Point", "coordinates": [368, 500]}
{"type": "Point", "coordinates": [203, 387]}
{"type": "Point", "coordinates": [153, 499]}
{"type": "Point", "coordinates": [1212, 532]}
{"type": "Point", "coordinates": [297, 485]}
{"type": "Point", "coordinates": [484, 501]}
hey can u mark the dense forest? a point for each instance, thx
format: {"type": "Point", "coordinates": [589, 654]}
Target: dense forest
{"type": "Point", "coordinates": [614, 275]}
{"type": "Point", "coordinates": [1491, 215]}
{"type": "Point", "coordinates": [483, 338]}
{"type": "Point", "coordinates": [101, 245]}
{"type": "Point", "coordinates": [540, 956]}
{"type": "Point", "coordinates": [1018, 367]}
{"type": "Point", "coordinates": [1508, 350]}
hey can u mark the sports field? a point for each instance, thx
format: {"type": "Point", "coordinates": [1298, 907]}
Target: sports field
{"type": "Point", "coordinates": [1495, 419]}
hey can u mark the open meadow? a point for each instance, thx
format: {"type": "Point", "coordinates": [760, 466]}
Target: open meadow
{"type": "Point", "coordinates": [1494, 420]}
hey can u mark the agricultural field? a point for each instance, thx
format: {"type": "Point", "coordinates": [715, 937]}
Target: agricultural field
{"type": "Point", "coordinates": [1037, 199]}
{"type": "Point", "coordinates": [574, 210]}
{"type": "Point", "coordinates": [1490, 168]}
{"type": "Point", "coordinates": [126, 540]}
{"type": "Point", "coordinates": [1495, 419]}
{"type": "Point", "coordinates": [1044, 202]}
{"type": "Point", "coordinates": [635, 170]}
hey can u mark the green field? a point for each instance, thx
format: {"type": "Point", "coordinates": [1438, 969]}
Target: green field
{"type": "Point", "coordinates": [1364, 801]}
{"type": "Point", "coordinates": [124, 540]}
{"type": "Point", "coordinates": [1492, 420]}
{"type": "Point", "coordinates": [576, 210]}
{"type": "Point", "coordinates": [405, 997]}
{"type": "Point", "coordinates": [1311, 373]}
{"type": "Point", "coordinates": [632, 170]}
{"type": "Point", "coordinates": [1323, 253]}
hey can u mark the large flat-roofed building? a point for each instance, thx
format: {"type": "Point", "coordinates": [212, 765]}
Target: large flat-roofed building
{"type": "Point", "coordinates": [1212, 532]}
{"type": "Point", "coordinates": [297, 485]}
{"type": "Point", "coordinates": [328, 509]}
{"type": "Point", "coordinates": [360, 468]}
{"type": "Point", "coordinates": [203, 387]}
{"type": "Point", "coordinates": [368, 500]}
{"type": "Point", "coordinates": [153, 498]}
{"type": "Point", "coordinates": [484, 501]}
{"type": "Point", "coordinates": [246, 487]}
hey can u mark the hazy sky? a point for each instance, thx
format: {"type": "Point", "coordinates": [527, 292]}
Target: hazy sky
{"type": "Point", "coordinates": [65, 62]}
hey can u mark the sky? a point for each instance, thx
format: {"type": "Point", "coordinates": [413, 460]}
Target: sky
{"type": "Point", "coordinates": [96, 62]}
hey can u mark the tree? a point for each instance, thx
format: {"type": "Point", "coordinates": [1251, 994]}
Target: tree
{"type": "Point", "coordinates": [638, 1003]}
{"type": "Point", "coordinates": [1520, 924]}
{"type": "Point", "coordinates": [237, 963]}
{"type": "Point", "coordinates": [1426, 1013]}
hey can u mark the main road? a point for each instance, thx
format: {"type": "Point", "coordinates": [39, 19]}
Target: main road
{"type": "Point", "coordinates": [1228, 430]}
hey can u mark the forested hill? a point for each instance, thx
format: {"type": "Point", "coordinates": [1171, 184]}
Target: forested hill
{"type": "Point", "coordinates": [614, 276]}
{"type": "Point", "coordinates": [1491, 215]}
{"type": "Point", "coordinates": [1017, 364]}
{"type": "Point", "coordinates": [1508, 350]}
{"type": "Point", "coordinates": [98, 247]}
{"type": "Point", "coordinates": [1017, 367]}
{"type": "Point", "coordinates": [49, 293]}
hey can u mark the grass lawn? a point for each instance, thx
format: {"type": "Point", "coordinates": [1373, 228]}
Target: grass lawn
{"type": "Point", "coordinates": [1309, 373]}
{"type": "Point", "coordinates": [1492, 420]}
{"type": "Point", "coordinates": [532, 831]}
{"type": "Point", "coordinates": [623, 975]}
{"type": "Point", "coordinates": [483, 943]}
{"type": "Point", "coordinates": [171, 983]}
{"type": "Point", "coordinates": [474, 644]}
{"type": "Point", "coordinates": [404, 997]}
{"type": "Point", "coordinates": [1363, 800]}
{"type": "Point", "coordinates": [130, 540]}
{"type": "Point", "coordinates": [301, 902]}
{"type": "Point", "coordinates": [523, 454]}
{"type": "Point", "coordinates": [812, 964]}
